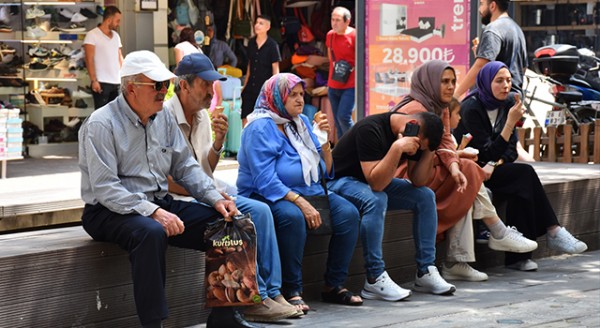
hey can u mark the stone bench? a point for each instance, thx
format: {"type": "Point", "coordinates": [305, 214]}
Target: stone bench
{"type": "Point", "coordinates": [60, 277]}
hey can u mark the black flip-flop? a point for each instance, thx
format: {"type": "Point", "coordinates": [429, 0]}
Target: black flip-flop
{"type": "Point", "coordinates": [339, 295]}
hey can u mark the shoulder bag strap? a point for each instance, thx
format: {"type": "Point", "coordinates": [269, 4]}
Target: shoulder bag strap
{"type": "Point", "coordinates": [331, 48]}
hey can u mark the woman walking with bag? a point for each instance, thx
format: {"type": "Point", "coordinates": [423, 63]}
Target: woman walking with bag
{"type": "Point", "coordinates": [280, 163]}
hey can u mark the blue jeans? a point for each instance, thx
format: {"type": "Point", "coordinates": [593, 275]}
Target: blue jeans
{"type": "Point", "coordinates": [399, 194]}
{"type": "Point", "coordinates": [269, 266]}
{"type": "Point", "coordinates": [291, 236]}
{"type": "Point", "coordinates": [342, 105]}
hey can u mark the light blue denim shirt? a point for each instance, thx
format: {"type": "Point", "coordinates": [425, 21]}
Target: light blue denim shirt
{"type": "Point", "coordinates": [124, 164]}
{"type": "Point", "coordinates": [269, 164]}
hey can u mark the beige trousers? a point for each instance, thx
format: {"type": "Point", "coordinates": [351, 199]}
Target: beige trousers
{"type": "Point", "coordinates": [461, 247]}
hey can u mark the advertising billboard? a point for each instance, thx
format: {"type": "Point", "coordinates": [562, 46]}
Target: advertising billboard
{"type": "Point", "coordinates": [401, 35]}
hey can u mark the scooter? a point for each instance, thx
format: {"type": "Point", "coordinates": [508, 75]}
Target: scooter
{"type": "Point", "coordinates": [574, 69]}
{"type": "Point", "coordinates": [575, 97]}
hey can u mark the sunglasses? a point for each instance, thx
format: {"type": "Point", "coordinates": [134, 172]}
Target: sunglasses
{"type": "Point", "coordinates": [157, 85]}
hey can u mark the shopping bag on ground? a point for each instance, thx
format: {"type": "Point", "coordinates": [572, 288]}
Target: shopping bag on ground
{"type": "Point", "coordinates": [231, 263]}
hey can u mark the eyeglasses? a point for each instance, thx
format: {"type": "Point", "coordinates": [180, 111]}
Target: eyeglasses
{"type": "Point", "coordinates": [157, 85]}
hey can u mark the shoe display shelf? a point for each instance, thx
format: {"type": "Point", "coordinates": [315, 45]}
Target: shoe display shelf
{"type": "Point", "coordinates": [11, 137]}
{"type": "Point", "coordinates": [46, 38]}
{"type": "Point", "coordinates": [547, 22]}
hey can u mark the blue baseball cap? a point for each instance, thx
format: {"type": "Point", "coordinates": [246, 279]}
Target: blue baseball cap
{"type": "Point", "coordinates": [200, 65]}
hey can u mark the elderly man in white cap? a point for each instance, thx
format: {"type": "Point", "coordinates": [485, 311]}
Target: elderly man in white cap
{"type": "Point", "coordinates": [127, 149]}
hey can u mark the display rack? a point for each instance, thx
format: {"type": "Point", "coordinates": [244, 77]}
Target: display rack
{"type": "Point", "coordinates": [575, 22]}
{"type": "Point", "coordinates": [29, 25]}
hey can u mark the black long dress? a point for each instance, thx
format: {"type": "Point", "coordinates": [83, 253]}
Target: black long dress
{"type": "Point", "coordinates": [528, 208]}
{"type": "Point", "coordinates": [261, 69]}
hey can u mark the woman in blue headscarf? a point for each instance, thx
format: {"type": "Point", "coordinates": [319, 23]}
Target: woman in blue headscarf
{"type": "Point", "coordinates": [279, 164]}
{"type": "Point", "coordinates": [490, 114]}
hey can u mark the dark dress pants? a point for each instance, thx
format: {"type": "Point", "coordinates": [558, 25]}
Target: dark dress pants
{"type": "Point", "coordinates": [527, 208]}
{"type": "Point", "coordinates": [146, 242]}
{"type": "Point", "coordinates": [108, 94]}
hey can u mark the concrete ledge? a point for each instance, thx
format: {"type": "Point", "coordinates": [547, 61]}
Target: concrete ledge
{"type": "Point", "coordinates": [60, 277]}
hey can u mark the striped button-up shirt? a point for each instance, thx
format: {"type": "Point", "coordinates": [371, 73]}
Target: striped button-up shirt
{"type": "Point", "coordinates": [124, 164]}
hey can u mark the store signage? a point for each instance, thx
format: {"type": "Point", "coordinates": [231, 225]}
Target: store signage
{"type": "Point", "coordinates": [401, 35]}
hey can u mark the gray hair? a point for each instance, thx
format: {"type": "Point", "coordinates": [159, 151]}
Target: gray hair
{"type": "Point", "coordinates": [189, 78]}
{"type": "Point", "coordinates": [125, 80]}
{"type": "Point", "coordinates": [344, 12]}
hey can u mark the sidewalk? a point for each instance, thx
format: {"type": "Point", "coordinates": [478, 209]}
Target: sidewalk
{"type": "Point", "coordinates": [564, 292]}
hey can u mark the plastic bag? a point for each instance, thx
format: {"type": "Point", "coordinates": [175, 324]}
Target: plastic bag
{"type": "Point", "coordinates": [231, 263]}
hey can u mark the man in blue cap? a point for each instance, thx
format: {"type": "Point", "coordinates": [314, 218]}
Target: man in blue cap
{"type": "Point", "coordinates": [193, 94]}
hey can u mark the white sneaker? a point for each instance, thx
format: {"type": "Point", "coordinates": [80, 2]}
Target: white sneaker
{"type": "Point", "coordinates": [78, 18]}
{"type": "Point", "coordinates": [385, 289]}
{"type": "Point", "coordinates": [565, 242]}
{"type": "Point", "coordinates": [63, 64]}
{"type": "Point", "coordinates": [462, 271]}
{"type": "Point", "coordinates": [433, 283]}
{"type": "Point", "coordinates": [513, 241]}
{"type": "Point", "coordinates": [34, 12]}
{"type": "Point", "coordinates": [66, 12]}
{"type": "Point", "coordinates": [65, 50]}
{"type": "Point", "coordinates": [5, 14]}
{"type": "Point", "coordinates": [36, 32]}
{"type": "Point", "coordinates": [525, 265]}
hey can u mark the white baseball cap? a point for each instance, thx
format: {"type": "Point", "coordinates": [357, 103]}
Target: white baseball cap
{"type": "Point", "coordinates": [147, 63]}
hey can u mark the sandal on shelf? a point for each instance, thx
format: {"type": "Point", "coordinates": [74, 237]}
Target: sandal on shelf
{"type": "Point", "coordinates": [340, 295]}
{"type": "Point", "coordinates": [298, 302]}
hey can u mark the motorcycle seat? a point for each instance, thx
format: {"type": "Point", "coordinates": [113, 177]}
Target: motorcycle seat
{"type": "Point", "coordinates": [568, 96]}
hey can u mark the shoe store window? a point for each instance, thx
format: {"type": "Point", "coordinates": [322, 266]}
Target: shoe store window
{"type": "Point", "coordinates": [42, 70]}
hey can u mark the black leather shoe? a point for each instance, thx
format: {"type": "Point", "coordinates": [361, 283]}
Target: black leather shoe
{"type": "Point", "coordinates": [227, 317]}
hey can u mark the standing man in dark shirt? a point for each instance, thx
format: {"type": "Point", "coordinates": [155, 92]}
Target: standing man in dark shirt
{"type": "Point", "coordinates": [366, 159]}
{"type": "Point", "coordinates": [263, 62]}
{"type": "Point", "coordinates": [502, 40]}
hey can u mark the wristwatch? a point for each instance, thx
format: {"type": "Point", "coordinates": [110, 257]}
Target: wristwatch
{"type": "Point", "coordinates": [495, 164]}
{"type": "Point", "coordinates": [217, 152]}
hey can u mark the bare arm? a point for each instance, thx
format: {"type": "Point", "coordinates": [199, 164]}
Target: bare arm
{"type": "Point", "coordinates": [379, 174]}
{"type": "Point", "coordinates": [514, 115]}
{"type": "Point", "coordinates": [247, 76]}
{"type": "Point", "coordinates": [178, 55]}
{"type": "Point", "coordinates": [218, 92]}
{"type": "Point", "coordinates": [120, 57]}
{"type": "Point", "coordinates": [419, 172]}
{"type": "Point", "coordinates": [90, 53]}
{"type": "Point", "coordinates": [275, 66]}
{"type": "Point", "coordinates": [219, 126]}
{"type": "Point", "coordinates": [469, 79]}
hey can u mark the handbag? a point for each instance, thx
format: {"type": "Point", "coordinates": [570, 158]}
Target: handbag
{"type": "Point", "coordinates": [304, 34]}
{"type": "Point", "coordinates": [231, 263]}
{"type": "Point", "coordinates": [321, 204]}
{"type": "Point", "coordinates": [341, 68]}
{"type": "Point", "coordinates": [242, 24]}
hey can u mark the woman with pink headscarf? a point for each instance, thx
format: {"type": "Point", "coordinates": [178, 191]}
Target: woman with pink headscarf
{"type": "Point", "coordinates": [281, 160]}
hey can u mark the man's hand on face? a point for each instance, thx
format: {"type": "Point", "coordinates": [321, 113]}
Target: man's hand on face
{"type": "Point", "coordinates": [171, 223]}
{"type": "Point", "coordinates": [408, 145]}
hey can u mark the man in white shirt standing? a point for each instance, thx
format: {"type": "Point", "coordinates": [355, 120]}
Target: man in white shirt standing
{"type": "Point", "coordinates": [103, 57]}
